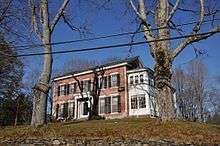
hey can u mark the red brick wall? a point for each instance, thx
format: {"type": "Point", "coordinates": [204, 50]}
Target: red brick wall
{"type": "Point", "coordinates": [104, 92]}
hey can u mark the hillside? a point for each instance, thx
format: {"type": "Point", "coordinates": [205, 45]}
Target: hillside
{"type": "Point", "coordinates": [129, 128]}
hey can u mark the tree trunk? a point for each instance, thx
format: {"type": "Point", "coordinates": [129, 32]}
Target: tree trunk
{"type": "Point", "coordinates": [163, 83]}
{"type": "Point", "coordinates": [42, 86]}
{"type": "Point", "coordinates": [41, 91]}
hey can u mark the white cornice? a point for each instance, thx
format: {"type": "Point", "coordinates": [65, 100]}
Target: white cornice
{"type": "Point", "coordinates": [89, 71]}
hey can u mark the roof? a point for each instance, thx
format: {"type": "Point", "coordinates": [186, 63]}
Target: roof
{"type": "Point", "coordinates": [126, 60]}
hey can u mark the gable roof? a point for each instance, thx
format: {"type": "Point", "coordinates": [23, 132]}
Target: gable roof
{"type": "Point", "coordinates": [113, 63]}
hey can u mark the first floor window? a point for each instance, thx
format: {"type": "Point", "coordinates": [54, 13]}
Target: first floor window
{"type": "Point", "coordinates": [71, 109]}
{"type": "Point", "coordinates": [102, 105]}
{"type": "Point", "coordinates": [142, 101]}
{"type": "Point", "coordinates": [138, 101]}
{"type": "Point", "coordinates": [85, 108]}
{"type": "Point", "coordinates": [57, 110]}
{"type": "Point", "coordinates": [60, 113]}
{"type": "Point", "coordinates": [134, 102]}
{"type": "Point", "coordinates": [108, 105]}
{"type": "Point", "coordinates": [116, 104]}
{"type": "Point", "coordinates": [65, 110]}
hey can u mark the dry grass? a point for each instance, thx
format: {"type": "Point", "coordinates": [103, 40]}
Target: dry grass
{"type": "Point", "coordinates": [129, 128]}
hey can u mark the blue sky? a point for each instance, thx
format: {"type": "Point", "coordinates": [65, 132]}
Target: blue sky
{"type": "Point", "coordinates": [105, 22]}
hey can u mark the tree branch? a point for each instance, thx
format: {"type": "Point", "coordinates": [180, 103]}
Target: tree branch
{"type": "Point", "coordinates": [146, 26]}
{"type": "Point", "coordinates": [195, 30]}
{"type": "Point", "coordinates": [192, 39]}
{"type": "Point", "coordinates": [58, 15]}
{"type": "Point", "coordinates": [173, 10]}
{"type": "Point", "coordinates": [35, 26]}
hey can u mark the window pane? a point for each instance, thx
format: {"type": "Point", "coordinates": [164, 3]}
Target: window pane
{"type": "Point", "coordinates": [62, 90]}
{"type": "Point", "coordinates": [72, 88]}
{"type": "Point", "coordinates": [134, 102]}
{"type": "Point", "coordinates": [71, 109]}
{"type": "Point", "coordinates": [102, 106]}
{"type": "Point", "coordinates": [116, 104]}
{"type": "Point", "coordinates": [108, 105]}
{"type": "Point", "coordinates": [142, 101]}
{"type": "Point", "coordinates": [60, 113]}
{"type": "Point", "coordinates": [136, 79]}
{"type": "Point", "coordinates": [114, 80]}
{"type": "Point", "coordinates": [141, 78]}
{"type": "Point", "coordinates": [65, 110]}
{"type": "Point", "coordinates": [131, 80]}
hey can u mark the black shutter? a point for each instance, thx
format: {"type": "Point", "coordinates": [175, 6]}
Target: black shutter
{"type": "Point", "coordinates": [67, 89]}
{"type": "Point", "coordinates": [81, 86]}
{"type": "Point", "coordinates": [109, 81]}
{"type": "Point", "coordinates": [58, 91]}
{"type": "Point", "coordinates": [118, 80]}
{"type": "Point", "coordinates": [119, 104]}
{"type": "Point", "coordinates": [57, 110]}
{"type": "Point", "coordinates": [105, 82]}
{"type": "Point", "coordinates": [89, 85]}
{"type": "Point", "coordinates": [64, 89]}
{"type": "Point", "coordinates": [75, 87]}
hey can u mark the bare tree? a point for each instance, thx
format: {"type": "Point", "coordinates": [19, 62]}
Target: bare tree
{"type": "Point", "coordinates": [191, 88]}
{"type": "Point", "coordinates": [44, 28]}
{"type": "Point", "coordinates": [162, 16]}
{"type": "Point", "coordinates": [197, 74]}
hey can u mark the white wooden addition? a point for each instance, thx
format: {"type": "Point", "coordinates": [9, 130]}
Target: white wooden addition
{"type": "Point", "coordinates": [140, 99]}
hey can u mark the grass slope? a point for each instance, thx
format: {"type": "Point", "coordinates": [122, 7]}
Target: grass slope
{"type": "Point", "coordinates": [128, 128]}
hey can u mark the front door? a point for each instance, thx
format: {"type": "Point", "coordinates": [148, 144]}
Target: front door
{"type": "Point", "coordinates": [82, 107]}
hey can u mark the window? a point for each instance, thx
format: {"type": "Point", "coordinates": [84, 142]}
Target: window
{"type": "Point", "coordinates": [134, 102]}
{"type": "Point", "coordinates": [138, 101]}
{"type": "Point", "coordinates": [60, 113]}
{"type": "Point", "coordinates": [142, 101]}
{"type": "Point", "coordinates": [114, 80]}
{"type": "Point", "coordinates": [108, 105]}
{"type": "Point", "coordinates": [116, 104]}
{"type": "Point", "coordinates": [71, 109]}
{"type": "Point", "coordinates": [85, 108]}
{"type": "Point", "coordinates": [61, 90]}
{"type": "Point", "coordinates": [136, 79]}
{"type": "Point", "coordinates": [141, 78]}
{"type": "Point", "coordinates": [86, 85]}
{"type": "Point", "coordinates": [57, 111]}
{"type": "Point", "coordinates": [151, 82]}
{"type": "Point", "coordinates": [131, 80]}
{"type": "Point", "coordinates": [65, 110]}
{"type": "Point", "coordinates": [102, 105]}
{"type": "Point", "coordinates": [105, 105]}
{"type": "Point", "coordinates": [72, 88]}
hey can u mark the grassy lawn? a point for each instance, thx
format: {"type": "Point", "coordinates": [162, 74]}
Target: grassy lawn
{"type": "Point", "coordinates": [128, 128]}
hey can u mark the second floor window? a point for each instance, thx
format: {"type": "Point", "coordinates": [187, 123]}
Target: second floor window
{"type": "Point", "coordinates": [72, 88]}
{"type": "Point", "coordinates": [61, 90]}
{"type": "Point", "coordinates": [115, 80]}
{"type": "Point", "coordinates": [136, 79]}
{"type": "Point", "coordinates": [141, 78]}
{"type": "Point", "coordinates": [86, 85]}
{"type": "Point", "coordinates": [131, 80]}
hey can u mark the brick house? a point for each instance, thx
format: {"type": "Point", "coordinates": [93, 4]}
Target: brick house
{"type": "Point", "coordinates": [119, 95]}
